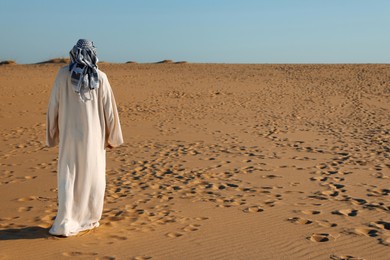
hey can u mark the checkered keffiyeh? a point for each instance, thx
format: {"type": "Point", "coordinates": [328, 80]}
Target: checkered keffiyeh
{"type": "Point", "coordinates": [83, 68]}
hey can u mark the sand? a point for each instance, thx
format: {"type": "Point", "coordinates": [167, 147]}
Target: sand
{"type": "Point", "coordinates": [219, 162]}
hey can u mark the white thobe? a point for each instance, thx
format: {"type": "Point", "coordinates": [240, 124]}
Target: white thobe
{"type": "Point", "coordinates": [83, 130]}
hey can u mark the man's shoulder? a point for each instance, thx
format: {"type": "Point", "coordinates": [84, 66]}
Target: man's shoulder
{"type": "Point", "coordinates": [102, 74]}
{"type": "Point", "coordinates": [63, 70]}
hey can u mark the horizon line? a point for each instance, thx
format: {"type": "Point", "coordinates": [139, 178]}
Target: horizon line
{"type": "Point", "coordinates": [62, 60]}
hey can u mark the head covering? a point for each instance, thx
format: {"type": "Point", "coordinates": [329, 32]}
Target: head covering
{"type": "Point", "coordinates": [83, 69]}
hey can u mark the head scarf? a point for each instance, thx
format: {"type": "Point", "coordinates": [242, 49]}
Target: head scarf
{"type": "Point", "coordinates": [83, 69]}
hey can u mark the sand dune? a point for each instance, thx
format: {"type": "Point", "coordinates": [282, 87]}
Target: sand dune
{"type": "Point", "coordinates": [219, 162]}
{"type": "Point", "coordinates": [7, 62]}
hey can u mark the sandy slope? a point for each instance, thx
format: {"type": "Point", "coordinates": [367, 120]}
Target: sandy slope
{"type": "Point", "coordinates": [220, 162]}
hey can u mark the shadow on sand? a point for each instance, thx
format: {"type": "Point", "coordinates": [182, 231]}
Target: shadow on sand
{"type": "Point", "coordinates": [33, 232]}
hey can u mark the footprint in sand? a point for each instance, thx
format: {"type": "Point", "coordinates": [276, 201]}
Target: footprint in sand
{"type": "Point", "coordinates": [270, 203]}
{"type": "Point", "coordinates": [326, 223]}
{"type": "Point", "coordinates": [270, 176]}
{"type": "Point", "coordinates": [173, 234]}
{"type": "Point", "coordinates": [25, 209]}
{"type": "Point", "coordinates": [118, 237]}
{"type": "Point", "coordinates": [78, 254]}
{"type": "Point", "coordinates": [344, 257]}
{"type": "Point", "coordinates": [253, 209]}
{"type": "Point", "coordinates": [143, 257]}
{"type": "Point", "coordinates": [346, 212]}
{"type": "Point", "coordinates": [311, 212]}
{"type": "Point", "coordinates": [26, 177]}
{"type": "Point", "coordinates": [33, 198]}
{"type": "Point", "coordinates": [318, 178]}
{"type": "Point", "coordinates": [357, 201]}
{"type": "Point", "coordinates": [46, 219]}
{"type": "Point", "coordinates": [201, 218]}
{"type": "Point", "coordinates": [109, 258]}
{"type": "Point", "coordinates": [336, 186]}
{"type": "Point", "coordinates": [299, 220]}
{"type": "Point", "coordinates": [191, 227]}
{"type": "Point", "coordinates": [27, 199]}
{"type": "Point", "coordinates": [376, 192]}
{"type": "Point", "coordinates": [320, 237]}
{"type": "Point", "coordinates": [381, 225]}
{"type": "Point", "coordinates": [368, 232]}
{"type": "Point", "coordinates": [331, 193]}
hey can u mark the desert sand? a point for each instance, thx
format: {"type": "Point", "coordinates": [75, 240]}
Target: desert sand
{"type": "Point", "coordinates": [219, 162]}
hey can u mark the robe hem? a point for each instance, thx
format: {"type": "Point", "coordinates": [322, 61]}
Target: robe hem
{"type": "Point", "coordinates": [73, 233]}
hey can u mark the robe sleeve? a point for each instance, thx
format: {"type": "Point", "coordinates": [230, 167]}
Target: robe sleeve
{"type": "Point", "coordinates": [52, 130]}
{"type": "Point", "coordinates": [113, 127]}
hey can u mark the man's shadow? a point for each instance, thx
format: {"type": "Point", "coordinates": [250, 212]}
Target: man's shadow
{"type": "Point", "coordinates": [33, 232]}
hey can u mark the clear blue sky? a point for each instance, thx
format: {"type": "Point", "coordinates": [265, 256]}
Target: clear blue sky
{"type": "Point", "coordinates": [228, 31]}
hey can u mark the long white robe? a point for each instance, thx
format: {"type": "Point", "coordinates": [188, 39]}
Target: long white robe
{"type": "Point", "coordinates": [83, 130]}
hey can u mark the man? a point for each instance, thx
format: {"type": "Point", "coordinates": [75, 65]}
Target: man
{"type": "Point", "coordinates": [83, 119]}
